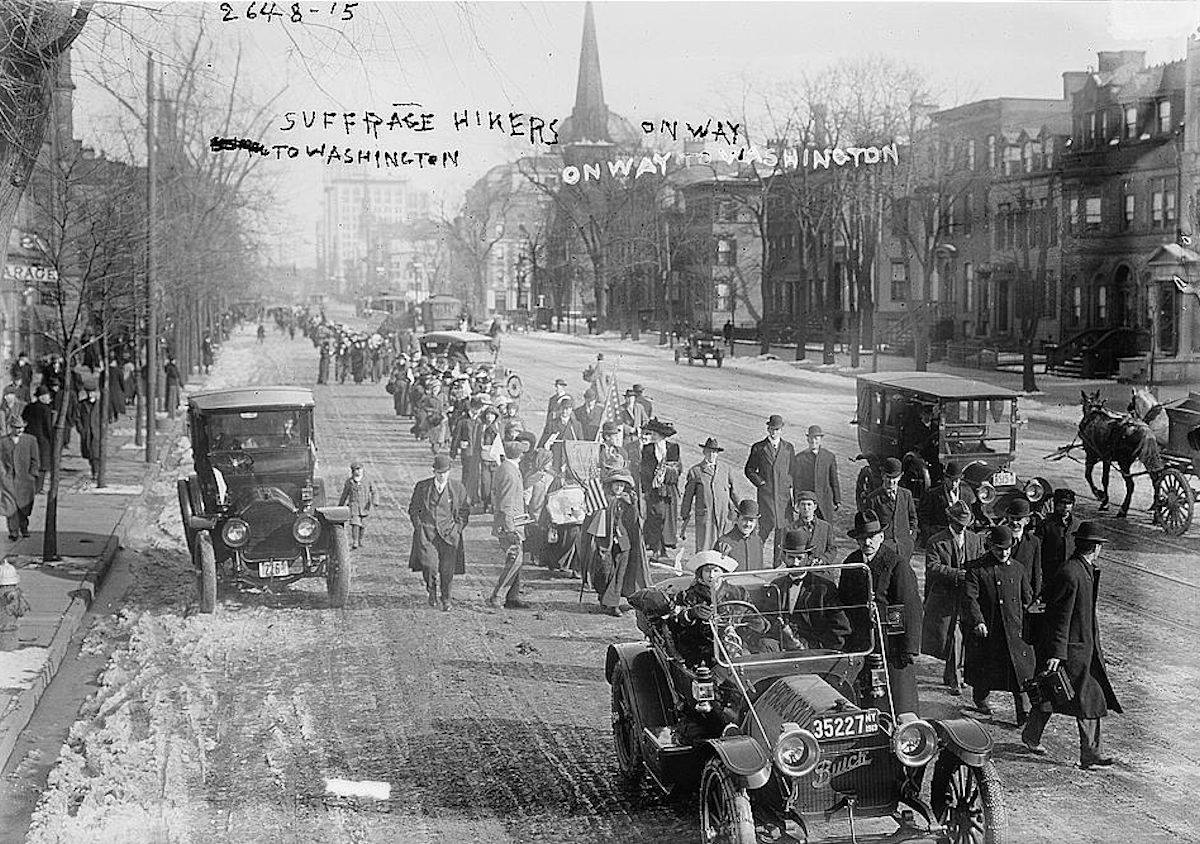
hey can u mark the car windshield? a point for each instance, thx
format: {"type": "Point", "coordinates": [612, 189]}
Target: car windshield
{"type": "Point", "coordinates": [976, 426]}
{"type": "Point", "coordinates": [801, 613]}
{"type": "Point", "coordinates": [253, 430]}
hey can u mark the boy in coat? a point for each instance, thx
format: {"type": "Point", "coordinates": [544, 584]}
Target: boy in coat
{"type": "Point", "coordinates": [946, 559]}
{"type": "Point", "coordinates": [815, 470]}
{"type": "Point", "coordinates": [439, 511]}
{"type": "Point", "coordinates": [709, 488]}
{"type": "Point", "coordinates": [1073, 640]}
{"type": "Point", "coordinates": [359, 495]}
{"type": "Point", "coordinates": [769, 469]}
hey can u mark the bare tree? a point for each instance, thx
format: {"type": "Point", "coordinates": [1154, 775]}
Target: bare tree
{"type": "Point", "coordinates": [474, 233]}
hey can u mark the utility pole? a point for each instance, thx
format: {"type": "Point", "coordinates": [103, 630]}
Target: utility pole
{"type": "Point", "coordinates": [151, 269]}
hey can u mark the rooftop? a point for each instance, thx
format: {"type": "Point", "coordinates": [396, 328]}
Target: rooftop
{"type": "Point", "coordinates": [940, 385]}
{"type": "Point", "coordinates": [243, 398]}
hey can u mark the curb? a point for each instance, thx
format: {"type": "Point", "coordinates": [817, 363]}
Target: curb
{"type": "Point", "coordinates": [14, 722]}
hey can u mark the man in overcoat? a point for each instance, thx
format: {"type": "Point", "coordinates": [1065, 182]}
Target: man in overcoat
{"type": "Point", "coordinates": [946, 557]}
{"type": "Point", "coordinates": [895, 584]}
{"type": "Point", "coordinates": [1027, 548]}
{"type": "Point", "coordinates": [465, 445]}
{"type": "Point", "coordinates": [508, 508]}
{"type": "Point", "coordinates": [744, 543]}
{"type": "Point", "coordinates": [709, 490]}
{"type": "Point", "coordinates": [815, 470]}
{"type": "Point", "coordinates": [896, 510]}
{"type": "Point", "coordinates": [660, 469]}
{"type": "Point", "coordinates": [817, 533]}
{"type": "Point", "coordinates": [1073, 640]}
{"type": "Point", "coordinates": [1055, 533]}
{"type": "Point", "coordinates": [615, 556]}
{"type": "Point", "coordinates": [439, 511]}
{"type": "Point", "coordinates": [19, 471]}
{"type": "Point", "coordinates": [769, 469]}
{"type": "Point", "coordinates": [560, 392]}
{"type": "Point", "coordinates": [933, 511]}
{"type": "Point", "coordinates": [995, 594]}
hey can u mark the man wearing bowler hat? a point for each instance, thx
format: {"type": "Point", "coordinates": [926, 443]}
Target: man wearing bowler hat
{"type": "Point", "coordinates": [946, 557]}
{"type": "Point", "coordinates": [560, 392]}
{"type": "Point", "coordinates": [995, 594]}
{"type": "Point", "coordinates": [743, 542]}
{"type": "Point", "coordinates": [935, 504]}
{"type": "Point", "coordinates": [1027, 548]}
{"type": "Point", "coordinates": [895, 585]}
{"type": "Point", "coordinates": [896, 510]}
{"type": "Point", "coordinates": [1073, 642]}
{"type": "Point", "coordinates": [815, 470]}
{"type": "Point", "coordinates": [769, 468]}
{"type": "Point", "coordinates": [817, 533]}
{"type": "Point", "coordinates": [709, 487]}
{"type": "Point", "coordinates": [439, 511]}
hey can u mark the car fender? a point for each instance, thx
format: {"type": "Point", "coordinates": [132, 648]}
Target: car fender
{"type": "Point", "coordinates": [966, 738]}
{"type": "Point", "coordinates": [201, 523]}
{"type": "Point", "coordinates": [745, 758]}
{"type": "Point", "coordinates": [650, 695]}
{"type": "Point", "coordinates": [334, 515]}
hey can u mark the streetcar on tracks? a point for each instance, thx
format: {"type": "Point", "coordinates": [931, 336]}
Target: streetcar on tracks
{"type": "Point", "coordinates": [926, 419]}
{"type": "Point", "coordinates": [776, 725]}
{"type": "Point", "coordinates": [254, 512]}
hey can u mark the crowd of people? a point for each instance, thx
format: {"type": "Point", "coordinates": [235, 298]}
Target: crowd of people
{"type": "Point", "coordinates": [1008, 587]}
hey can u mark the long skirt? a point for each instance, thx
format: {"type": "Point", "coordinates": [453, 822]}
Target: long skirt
{"type": "Point", "coordinates": [662, 521]}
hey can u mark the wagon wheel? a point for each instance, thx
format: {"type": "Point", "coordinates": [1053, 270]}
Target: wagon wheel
{"type": "Point", "coordinates": [725, 814]}
{"type": "Point", "coordinates": [1175, 502]}
{"type": "Point", "coordinates": [968, 800]}
{"type": "Point", "coordinates": [513, 386]}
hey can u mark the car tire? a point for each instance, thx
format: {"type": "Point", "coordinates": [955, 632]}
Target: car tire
{"type": "Point", "coordinates": [185, 514]}
{"type": "Point", "coordinates": [962, 795]}
{"type": "Point", "coordinates": [627, 730]}
{"type": "Point", "coordinates": [206, 571]}
{"type": "Point", "coordinates": [337, 569]}
{"type": "Point", "coordinates": [725, 813]}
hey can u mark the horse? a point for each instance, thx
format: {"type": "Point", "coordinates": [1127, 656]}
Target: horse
{"type": "Point", "coordinates": [1145, 406]}
{"type": "Point", "coordinates": [1110, 437]}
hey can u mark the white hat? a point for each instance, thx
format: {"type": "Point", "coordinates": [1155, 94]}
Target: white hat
{"type": "Point", "coordinates": [8, 575]}
{"type": "Point", "coordinates": [711, 558]}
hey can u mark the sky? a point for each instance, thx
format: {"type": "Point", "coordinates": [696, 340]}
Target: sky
{"type": "Point", "coordinates": [660, 60]}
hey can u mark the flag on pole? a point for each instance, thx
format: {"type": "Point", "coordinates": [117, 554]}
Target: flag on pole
{"type": "Point", "coordinates": [594, 496]}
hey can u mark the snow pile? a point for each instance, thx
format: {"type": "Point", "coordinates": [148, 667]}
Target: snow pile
{"type": "Point", "coordinates": [24, 663]}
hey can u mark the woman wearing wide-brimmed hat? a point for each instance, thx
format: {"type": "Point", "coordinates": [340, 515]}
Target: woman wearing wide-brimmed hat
{"type": "Point", "coordinates": [660, 471]}
{"type": "Point", "coordinates": [615, 556]}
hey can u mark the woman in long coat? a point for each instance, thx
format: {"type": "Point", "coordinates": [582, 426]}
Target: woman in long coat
{"type": "Point", "coordinates": [995, 594]}
{"type": "Point", "coordinates": [660, 470]}
{"type": "Point", "coordinates": [615, 547]}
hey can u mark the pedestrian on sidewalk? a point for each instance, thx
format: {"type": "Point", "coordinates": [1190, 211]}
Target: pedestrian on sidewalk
{"type": "Point", "coordinates": [508, 505]}
{"type": "Point", "coordinates": [12, 606]}
{"type": "Point", "coordinates": [39, 422]}
{"type": "Point", "coordinates": [173, 382]}
{"type": "Point", "coordinates": [439, 511]}
{"type": "Point", "coordinates": [19, 470]}
{"type": "Point", "coordinates": [359, 495]}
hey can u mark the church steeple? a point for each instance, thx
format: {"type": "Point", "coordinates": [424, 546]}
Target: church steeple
{"type": "Point", "coordinates": [589, 117]}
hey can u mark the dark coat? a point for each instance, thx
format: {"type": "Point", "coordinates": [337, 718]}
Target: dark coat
{"type": "Point", "coordinates": [820, 539]}
{"type": "Point", "coordinates": [615, 574]}
{"type": "Point", "coordinates": [1028, 552]}
{"type": "Point", "coordinates": [662, 504]}
{"type": "Point", "coordinates": [816, 616]}
{"type": "Point", "coordinates": [817, 473]}
{"type": "Point", "coordinates": [19, 470]}
{"type": "Point", "coordinates": [945, 571]}
{"type": "Point", "coordinates": [39, 421]}
{"type": "Point", "coordinates": [1056, 546]}
{"type": "Point", "coordinates": [996, 594]}
{"type": "Point", "coordinates": [1073, 636]}
{"type": "Point", "coordinates": [421, 511]}
{"type": "Point", "coordinates": [932, 511]}
{"type": "Point", "coordinates": [772, 477]}
{"type": "Point", "coordinates": [899, 520]}
{"type": "Point", "coordinates": [895, 583]}
{"type": "Point", "coordinates": [359, 497]}
{"type": "Point", "coordinates": [747, 550]}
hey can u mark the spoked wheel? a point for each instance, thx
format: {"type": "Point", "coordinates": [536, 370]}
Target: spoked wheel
{"type": "Point", "coordinates": [626, 730]}
{"type": "Point", "coordinates": [1175, 502]}
{"type": "Point", "coordinates": [513, 386]}
{"type": "Point", "coordinates": [337, 575]}
{"type": "Point", "coordinates": [205, 560]}
{"type": "Point", "coordinates": [725, 815]}
{"type": "Point", "coordinates": [968, 801]}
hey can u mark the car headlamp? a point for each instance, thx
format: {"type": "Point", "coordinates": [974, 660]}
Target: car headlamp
{"type": "Point", "coordinates": [306, 529]}
{"type": "Point", "coordinates": [1035, 491]}
{"type": "Point", "coordinates": [235, 533]}
{"type": "Point", "coordinates": [797, 752]}
{"type": "Point", "coordinates": [915, 743]}
{"type": "Point", "coordinates": [986, 493]}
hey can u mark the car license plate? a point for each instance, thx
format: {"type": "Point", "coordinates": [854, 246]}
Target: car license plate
{"type": "Point", "coordinates": [273, 568]}
{"type": "Point", "coordinates": [850, 725]}
{"type": "Point", "coordinates": [1004, 479]}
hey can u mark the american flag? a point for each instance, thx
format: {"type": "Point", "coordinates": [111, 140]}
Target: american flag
{"type": "Point", "coordinates": [594, 497]}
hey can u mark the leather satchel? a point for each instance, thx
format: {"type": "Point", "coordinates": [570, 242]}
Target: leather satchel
{"type": "Point", "coordinates": [1053, 687]}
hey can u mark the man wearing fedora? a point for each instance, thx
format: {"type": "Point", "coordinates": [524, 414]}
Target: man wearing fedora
{"type": "Point", "coordinates": [508, 506]}
{"type": "Point", "coordinates": [615, 559]}
{"type": "Point", "coordinates": [995, 594]}
{"type": "Point", "coordinates": [647, 405]}
{"type": "Point", "coordinates": [935, 505]}
{"type": "Point", "coordinates": [946, 557]}
{"type": "Point", "coordinates": [560, 429]}
{"type": "Point", "coordinates": [439, 511]}
{"type": "Point", "coordinates": [590, 416]}
{"type": "Point", "coordinates": [769, 469]}
{"type": "Point", "coordinates": [815, 470]}
{"type": "Point", "coordinates": [817, 533]}
{"type": "Point", "coordinates": [560, 392]}
{"type": "Point", "coordinates": [743, 542]}
{"type": "Point", "coordinates": [896, 510]}
{"type": "Point", "coordinates": [661, 468]}
{"type": "Point", "coordinates": [813, 616]}
{"type": "Point", "coordinates": [1027, 548]}
{"type": "Point", "coordinates": [1055, 533]}
{"type": "Point", "coordinates": [895, 585]}
{"type": "Point", "coordinates": [709, 487]}
{"type": "Point", "coordinates": [1073, 643]}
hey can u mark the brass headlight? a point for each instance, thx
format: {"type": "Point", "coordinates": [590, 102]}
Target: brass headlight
{"type": "Point", "coordinates": [986, 493]}
{"type": "Point", "coordinates": [235, 533]}
{"type": "Point", "coordinates": [306, 529]}
{"type": "Point", "coordinates": [915, 743]}
{"type": "Point", "coordinates": [797, 752]}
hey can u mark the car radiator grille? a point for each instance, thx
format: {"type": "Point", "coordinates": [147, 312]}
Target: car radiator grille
{"type": "Point", "coordinates": [874, 783]}
{"type": "Point", "coordinates": [270, 532]}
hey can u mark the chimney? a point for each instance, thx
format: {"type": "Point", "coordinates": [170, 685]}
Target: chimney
{"type": "Point", "coordinates": [1073, 81]}
{"type": "Point", "coordinates": [1110, 60]}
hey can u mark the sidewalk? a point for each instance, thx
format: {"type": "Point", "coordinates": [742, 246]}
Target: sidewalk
{"type": "Point", "coordinates": [91, 523]}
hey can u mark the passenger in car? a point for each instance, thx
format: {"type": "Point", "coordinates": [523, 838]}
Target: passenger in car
{"type": "Point", "coordinates": [812, 615]}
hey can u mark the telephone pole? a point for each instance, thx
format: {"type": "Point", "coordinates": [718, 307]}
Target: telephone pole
{"type": "Point", "coordinates": [151, 269]}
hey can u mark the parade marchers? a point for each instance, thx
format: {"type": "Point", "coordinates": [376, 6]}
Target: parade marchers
{"type": "Point", "coordinates": [1005, 593]}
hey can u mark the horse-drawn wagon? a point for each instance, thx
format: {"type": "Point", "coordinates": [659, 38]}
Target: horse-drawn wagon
{"type": "Point", "coordinates": [1176, 428]}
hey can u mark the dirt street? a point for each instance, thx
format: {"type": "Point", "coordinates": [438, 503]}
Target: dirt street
{"type": "Point", "coordinates": [494, 726]}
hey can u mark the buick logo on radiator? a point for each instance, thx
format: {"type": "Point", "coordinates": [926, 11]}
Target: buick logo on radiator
{"type": "Point", "coordinates": [828, 769]}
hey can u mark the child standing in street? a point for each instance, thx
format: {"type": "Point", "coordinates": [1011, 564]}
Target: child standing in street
{"type": "Point", "coordinates": [359, 495]}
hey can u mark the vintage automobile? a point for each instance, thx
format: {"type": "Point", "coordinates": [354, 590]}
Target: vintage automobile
{"type": "Point", "coordinates": [701, 347]}
{"type": "Point", "coordinates": [472, 352]}
{"type": "Point", "coordinates": [926, 419]}
{"type": "Point", "coordinates": [781, 733]}
{"type": "Point", "coordinates": [253, 512]}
